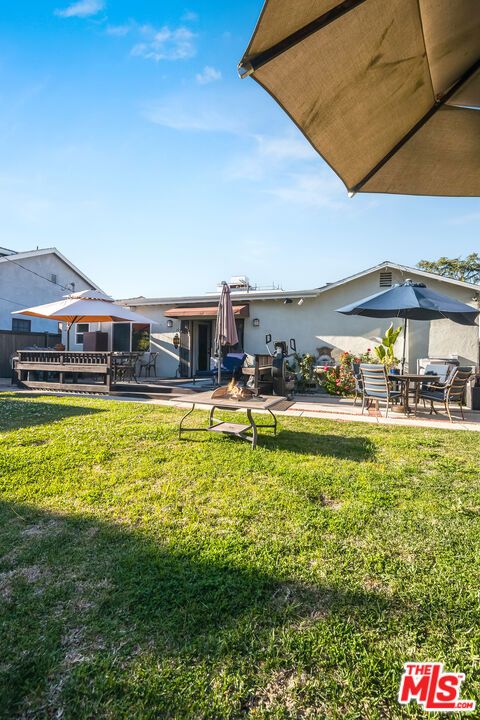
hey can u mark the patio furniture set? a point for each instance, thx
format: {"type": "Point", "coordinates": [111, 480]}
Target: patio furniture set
{"type": "Point", "coordinates": [438, 384]}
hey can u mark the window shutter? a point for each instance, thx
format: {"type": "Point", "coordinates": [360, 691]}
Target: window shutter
{"type": "Point", "coordinates": [386, 279]}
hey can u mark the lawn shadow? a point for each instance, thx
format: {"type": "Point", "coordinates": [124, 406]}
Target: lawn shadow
{"type": "Point", "coordinates": [346, 447]}
{"type": "Point", "coordinates": [16, 413]}
{"type": "Point", "coordinates": [84, 602]}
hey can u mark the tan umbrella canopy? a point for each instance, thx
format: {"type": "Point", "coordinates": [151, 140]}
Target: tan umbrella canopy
{"type": "Point", "coordinates": [226, 330]}
{"type": "Point", "coordinates": [85, 306]}
{"type": "Point", "coordinates": [387, 92]}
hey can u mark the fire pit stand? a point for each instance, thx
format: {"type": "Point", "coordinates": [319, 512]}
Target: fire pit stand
{"type": "Point", "coordinates": [239, 430]}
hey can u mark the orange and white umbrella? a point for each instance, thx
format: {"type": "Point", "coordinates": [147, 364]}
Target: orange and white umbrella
{"type": "Point", "coordinates": [84, 306]}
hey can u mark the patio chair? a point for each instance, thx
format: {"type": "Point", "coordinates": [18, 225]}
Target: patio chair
{"type": "Point", "coordinates": [358, 381]}
{"type": "Point", "coordinates": [453, 391]}
{"type": "Point", "coordinates": [148, 364]}
{"type": "Point", "coordinates": [231, 367]}
{"type": "Point", "coordinates": [376, 386]}
{"type": "Point", "coordinates": [124, 365]}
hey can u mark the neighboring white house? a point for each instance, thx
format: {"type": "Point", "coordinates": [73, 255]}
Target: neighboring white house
{"type": "Point", "coordinates": [309, 316]}
{"type": "Point", "coordinates": [34, 278]}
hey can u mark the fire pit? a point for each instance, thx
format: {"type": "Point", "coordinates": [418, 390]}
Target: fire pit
{"type": "Point", "coordinates": [233, 397]}
{"type": "Point", "coordinates": [233, 391]}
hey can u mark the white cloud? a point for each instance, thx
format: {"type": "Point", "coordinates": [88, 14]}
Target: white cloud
{"type": "Point", "coordinates": [285, 148]}
{"type": "Point", "coordinates": [189, 16]}
{"type": "Point", "coordinates": [466, 219]}
{"type": "Point", "coordinates": [165, 44]}
{"type": "Point", "coordinates": [271, 154]}
{"type": "Point", "coordinates": [208, 75]}
{"type": "Point", "coordinates": [81, 9]}
{"type": "Point", "coordinates": [118, 30]}
{"type": "Point", "coordinates": [190, 113]}
{"type": "Point", "coordinates": [314, 190]}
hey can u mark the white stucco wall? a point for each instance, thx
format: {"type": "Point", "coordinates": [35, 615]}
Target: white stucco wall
{"type": "Point", "coordinates": [26, 289]}
{"type": "Point", "coordinates": [316, 323]}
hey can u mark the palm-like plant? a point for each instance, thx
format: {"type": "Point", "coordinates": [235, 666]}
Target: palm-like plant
{"type": "Point", "coordinates": [385, 352]}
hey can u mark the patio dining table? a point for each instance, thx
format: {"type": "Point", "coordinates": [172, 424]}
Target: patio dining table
{"type": "Point", "coordinates": [406, 379]}
{"type": "Point", "coordinates": [257, 403]}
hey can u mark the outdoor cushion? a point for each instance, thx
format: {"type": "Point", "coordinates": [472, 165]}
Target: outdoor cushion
{"type": "Point", "coordinates": [380, 394]}
{"type": "Point", "coordinates": [232, 361]}
{"type": "Point", "coordinates": [433, 395]}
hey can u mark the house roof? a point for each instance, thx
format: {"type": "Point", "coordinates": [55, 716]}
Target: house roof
{"type": "Point", "coordinates": [16, 257]}
{"type": "Point", "coordinates": [212, 297]}
{"type": "Point", "coordinates": [283, 294]}
{"type": "Point", "coordinates": [406, 270]}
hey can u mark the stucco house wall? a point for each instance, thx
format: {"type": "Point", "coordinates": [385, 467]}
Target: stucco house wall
{"type": "Point", "coordinates": [316, 323]}
{"type": "Point", "coordinates": [26, 289]}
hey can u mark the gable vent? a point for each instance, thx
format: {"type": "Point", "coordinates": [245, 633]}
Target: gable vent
{"type": "Point", "coordinates": [386, 279]}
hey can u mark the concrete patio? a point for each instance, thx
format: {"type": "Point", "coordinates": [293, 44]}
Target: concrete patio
{"type": "Point", "coordinates": [325, 407]}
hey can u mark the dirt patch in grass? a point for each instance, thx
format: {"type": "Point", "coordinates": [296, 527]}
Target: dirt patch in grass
{"type": "Point", "coordinates": [34, 575]}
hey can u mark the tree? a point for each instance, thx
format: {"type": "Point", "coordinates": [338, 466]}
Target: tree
{"type": "Point", "coordinates": [467, 270]}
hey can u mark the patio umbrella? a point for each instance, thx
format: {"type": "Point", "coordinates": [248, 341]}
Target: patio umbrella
{"type": "Point", "coordinates": [412, 301]}
{"type": "Point", "coordinates": [387, 92]}
{"type": "Point", "coordinates": [84, 306]}
{"type": "Point", "coordinates": [226, 329]}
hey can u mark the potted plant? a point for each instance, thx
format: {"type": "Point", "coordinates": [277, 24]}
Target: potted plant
{"type": "Point", "coordinates": [385, 353]}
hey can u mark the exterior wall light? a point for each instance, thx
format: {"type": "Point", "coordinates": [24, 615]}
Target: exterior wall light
{"type": "Point", "coordinates": [169, 323]}
{"type": "Point", "coordinates": [176, 341]}
{"type": "Point", "coordinates": [256, 322]}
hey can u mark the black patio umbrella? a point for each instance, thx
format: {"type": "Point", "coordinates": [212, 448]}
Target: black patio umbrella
{"type": "Point", "coordinates": [412, 301]}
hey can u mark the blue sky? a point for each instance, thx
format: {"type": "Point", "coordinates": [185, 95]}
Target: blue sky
{"type": "Point", "coordinates": [128, 142]}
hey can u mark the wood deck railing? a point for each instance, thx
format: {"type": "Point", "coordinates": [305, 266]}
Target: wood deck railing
{"type": "Point", "coordinates": [60, 370]}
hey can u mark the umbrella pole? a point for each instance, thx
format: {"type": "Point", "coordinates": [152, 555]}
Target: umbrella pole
{"type": "Point", "coordinates": [405, 326]}
{"type": "Point", "coordinates": [219, 366]}
{"type": "Point", "coordinates": [69, 327]}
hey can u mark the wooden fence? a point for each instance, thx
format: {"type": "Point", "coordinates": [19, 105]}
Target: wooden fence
{"type": "Point", "coordinates": [10, 342]}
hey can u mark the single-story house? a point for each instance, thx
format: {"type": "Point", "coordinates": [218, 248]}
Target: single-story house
{"type": "Point", "coordinates": [34, 277]}
{"type": "Point", "coordinates": [182, 330]}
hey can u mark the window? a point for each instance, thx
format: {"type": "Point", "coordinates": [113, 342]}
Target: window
{"type": "Point", "coordinates": [53, 278]}
{"type": "Point", "coordinates": [386, 279]}
{"type": "Point", "coordinates": [20, 325]}
{"type": "Point", "coordinates": [80, 328]}
{"type": "Point", "coordinates": [140, 338]}
{"type": "Point", "coordinates": [121, 337]}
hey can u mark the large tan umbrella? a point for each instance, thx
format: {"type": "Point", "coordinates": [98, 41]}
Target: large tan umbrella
{"type": "Point", "coordinates": [387, 91]}
{"type": "Point", "coordinates": [84, 306]}
{"type": "Point", "coordinates": [226, 329]}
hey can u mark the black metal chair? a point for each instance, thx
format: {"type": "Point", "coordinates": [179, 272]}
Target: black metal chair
{"type": "Point", "coordinates": [124, 365]}
{"type": "Point", "coordinates": [376, 386]}
{"type": "Point", "coordinates": [149, 365]}
{"type": "Point", "coordinates": [452, 392]}
{"type": "Point", "coordinates": [357, 375]}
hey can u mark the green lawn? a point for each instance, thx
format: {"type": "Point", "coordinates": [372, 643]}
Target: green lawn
{"type": "Point", "coordinates": [146, 577]}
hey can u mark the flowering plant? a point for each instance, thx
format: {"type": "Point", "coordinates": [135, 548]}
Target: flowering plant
{"type": "Point", "coordinates": [337, 380]}
{"type": "Point", "coordinates": [348, 358]}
